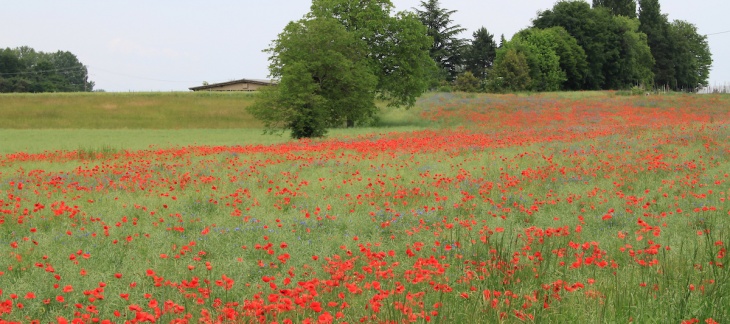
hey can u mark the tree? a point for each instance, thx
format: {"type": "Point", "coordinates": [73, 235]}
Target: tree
{"type": "Point", "coordinates": [573, 59]}
{"type": "Point", "coordinates": [692, 57]}
{"type": "Point", "coordinates": [564, 63]}
{"type": "Point", "coordinates": [323, 69]}
{"type": "Point", "coordinates": [635, 62]}
{"type": "Point", "coordinates": [585, 26]}
{"type": "Point", "coordinates": [511, 72]}
{"type": "Point", "coordinates": [479, 55]}
{"type": "Point", "coordinates": [656, 27]}
{"type": "Point", "coordinates": [616, 51]}
{"type": "Point", "coordinates": [537, 46]}
{"type": "Point", "coordinates": [397, 47]}
{"type": "Point", "coordinates": [467, 82]}
{"type": "Point", "coordinates": [447, 48]}
{"type": "Point", "coordinates": [335, 62]}
{"type": "Point", "coordinates": [24, 70]}
{"type": "Point", "coordinates": [626, 8]}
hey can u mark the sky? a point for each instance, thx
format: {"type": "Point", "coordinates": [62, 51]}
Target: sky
{"type": "Point", "coordinates": [167, 45]}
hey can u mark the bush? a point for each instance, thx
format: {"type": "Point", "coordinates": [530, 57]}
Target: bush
{"type": "Point", "coordinates": [467, 82]}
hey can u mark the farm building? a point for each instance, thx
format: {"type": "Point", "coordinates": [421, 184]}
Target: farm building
{"type": "Point", "coordinates": [236, 85]}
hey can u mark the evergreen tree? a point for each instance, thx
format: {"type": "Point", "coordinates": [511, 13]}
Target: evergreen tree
{"type": "Point", "coordinates": [447, 48]}
{"type": "Point", "coordinates": [479, 55]}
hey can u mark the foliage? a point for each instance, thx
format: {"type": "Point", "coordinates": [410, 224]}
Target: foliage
{"type": "Point", "coordinates": [396, 45]}
{"type": "Point", "coordinates": [656, 27]}
{"type": "Point", "coordinates": [467, 82]}
{"type": "Point", "coordinates": [336, 61]}
{"type": "Point", "coordinates": [331, 88]}
{"type": "Point", "coordinates": [616, 50]}
{"type": "Point", "coordinates": [447, 49]}
{"type": "Point", "coordinates": [573, 59]}
{"type": "Point", "coordinates": [692, 56]}
{"type": "Point", "coordinates": [683, 58]}
{"type": "Point", "coordinates": [539, 47]}
{"type": "Point", "coordinates": [633, 66]}
{"type": "Point", "coordinates": [626, 8]}
{"type": "Point", "coordinates": [586, 27]}
{"type": "Point", "coordinates": [480, 54]}
{"type": "Point", "coordinates": [24, 70]}
{"type": "Point", "coordinates": [511, 71]}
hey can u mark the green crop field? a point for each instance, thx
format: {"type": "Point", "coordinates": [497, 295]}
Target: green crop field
{"type": "Point", "coordinates": [584, 207]}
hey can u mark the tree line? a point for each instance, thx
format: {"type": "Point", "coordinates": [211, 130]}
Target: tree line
{"type": "Point", "coordinates": [344, 54]}
{"type": "Point", "coordinates": [611, 44]}
{"type": "Point", "coordinates": [24, 69]}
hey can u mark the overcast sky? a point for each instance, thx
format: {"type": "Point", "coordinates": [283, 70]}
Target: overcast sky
{"type": "Point", "coordinates": [159, 45]}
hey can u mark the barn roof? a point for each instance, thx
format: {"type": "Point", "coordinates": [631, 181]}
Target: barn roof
{"type": "Point", "coordinates": [222, 84]}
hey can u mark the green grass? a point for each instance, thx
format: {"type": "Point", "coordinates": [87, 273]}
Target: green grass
{"type": "Point", "coordinates": [173, 110]}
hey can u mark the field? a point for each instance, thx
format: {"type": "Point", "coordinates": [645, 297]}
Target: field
{"type": "Point", "coordinates": [549, 208]}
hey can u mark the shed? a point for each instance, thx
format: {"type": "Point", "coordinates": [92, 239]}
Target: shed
{"type": "Point", "coordinates": [236, 85]}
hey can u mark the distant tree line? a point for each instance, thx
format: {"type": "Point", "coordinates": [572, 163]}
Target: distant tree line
{"type": "Point", "coordinates": [342, 56]}
{"type": "Point", "coordinates": [613, 44]}
{"type": "Point", "coordinates": [23, 69]}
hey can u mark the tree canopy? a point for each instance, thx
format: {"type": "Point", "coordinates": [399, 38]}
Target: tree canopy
{"type": "Point", "coordinates": [656, 27]}
{"type": "Point", "coordinates": [544, 64]}
{"type": "Point", "coordinates": [23, 69]}
{"type": "Point", "coordinates": [511, 71]}
{"type": "Point", "coordinates": [337, 60]}
{"type": "Point", "coordinates": [447, 49]}
{"type": "Point", "coordinates": [626, 8]}
{"type": "Point", "coordinates": [692, 58]}
{"type": "Point", "coordinates": [616, 51]}
{"type": "Point", "coordinates": [480, 54]}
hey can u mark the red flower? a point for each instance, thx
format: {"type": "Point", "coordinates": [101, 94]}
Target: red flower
{"type": "Point", "coordinates": [316, 306]}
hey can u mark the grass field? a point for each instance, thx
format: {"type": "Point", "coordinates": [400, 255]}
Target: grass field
{"type": "Point", "coordinates": [550, 208]}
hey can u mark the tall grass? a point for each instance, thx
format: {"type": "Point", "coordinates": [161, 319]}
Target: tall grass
{"type": "Point", "coordinates": [175, 110]}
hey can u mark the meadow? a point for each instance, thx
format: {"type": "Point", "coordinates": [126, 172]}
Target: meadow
{"type": "Point", "coordinates": [544, 208]}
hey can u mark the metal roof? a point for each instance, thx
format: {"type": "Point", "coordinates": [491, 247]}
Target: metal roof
{"type": "Point", "coordinates": [253, 81]}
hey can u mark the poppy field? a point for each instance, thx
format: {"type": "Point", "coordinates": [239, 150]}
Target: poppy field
{"type": "Point", "coordinates": [505, 209]}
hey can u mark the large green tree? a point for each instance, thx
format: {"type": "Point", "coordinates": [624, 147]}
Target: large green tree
{"type": "Point", "coordinates": [588, 29]}
{"type": "Point", "coordinates": [479, 55]}
{"type": "Point", "coordinates": [447, 48]}
{"type": "Point", "coordinates": [537, 46]}
{"type": "Point", "coordinates": [626, 8]}
{"type": "Point", "coordinates": [571, 57]}
{"type": "Point", "coordinates": [23, 69]}
{"type": "Point", "coordinates": [335, 62]}
{"type": "Point", "coordinates": [634, 64]}
{"type": "Point", "coordinates": [397, 48]}
{"type": "Point", "coordinates": [692, 57]}
{"type": "Point", "coordinates": [656, 27]}
{"type": "Point", "coordinates": [616, 50]}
